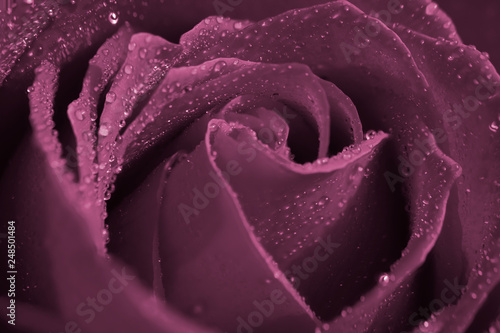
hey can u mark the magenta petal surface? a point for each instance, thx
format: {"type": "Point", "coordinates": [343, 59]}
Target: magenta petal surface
{"type": "Point", "coordinates": [294, 166]}
{"type": "Point", "coordinates": [205, 247]}
{"type": "Point", "coordinates": [187, 92]}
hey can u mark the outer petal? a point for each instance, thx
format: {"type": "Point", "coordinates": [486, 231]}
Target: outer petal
{"type": "Point", "coordinates": [70, 249]}
{"type": "Point", "coordinates": [429, 195]}
{"type": "Point", "coordinates": [423, 16]}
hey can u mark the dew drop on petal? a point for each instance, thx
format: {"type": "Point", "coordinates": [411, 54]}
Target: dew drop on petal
{"type": "Point", "coordinates": [113, 18]}
{"type": "Point", "coordinates": [103, 130]}
{"type": "Point", "coordinates": [128, 69]}
{"type": "Point", "coordinates": [131, 46]}
{"type": "Point", "coordinates": [105, 234]}
{"type": "Point", "coordinates": [322, 201]}
{"type": "Point", "coordinates": [384, 279]}
{"type": "Point", "coordinates": [431, 8]}
{"type": "Point", "coordinates": [107, 195]}
{"type": "Point", "coordinates": [219, 66]}
{"type": "Point", "coordinates": [494, 127]}
{"type": "Point", "coordinates": [370, 135]}
{"type": "Point", "coordinates": [51, 12]}
{"type": "Point", "coordinates": [110, 97]}
{"type": "Point", "coordinates": [142, 53]}
{"type": "Point", "coordinates": [79, 114]}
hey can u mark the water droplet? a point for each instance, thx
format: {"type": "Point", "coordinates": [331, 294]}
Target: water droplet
{"type": "Point", "coordinates": [105, 234]}
{"type": "Point", "coordinates": [219, 66]}
{"type": "Point", "coordinates": [104, 130]}
{"type": "Point", "coordinates": [494, 127]}
{"type": "Point", "coordinates": [131, 46]}
{"type": "Point", "coordinates": [142, 53]}
{"type": "Point", "coordinates": [322, 201]}
{"type": "Point", "coordinates": [355, 149]}
{"type": "Point", "coordinates": [384, 279]}
{"type": "Point", "coordinates": [107, 195]}
{"type": "Point", "coordinates": [52, 12]}
{"type": "Point", "coordinates": [370, 135]}
{"type": "Point", "coordinates": [110, 97]}
{"type": "Point", "coordinates": [128, 69]}
{"type": "Point", "coordinates": [238, 25]}
{"type": "Point", "coordinates": [79, 114]}
{"type": "Point", "coordinates": [431, 8]}
{"type": "Point", "coordinates": [113, 18]}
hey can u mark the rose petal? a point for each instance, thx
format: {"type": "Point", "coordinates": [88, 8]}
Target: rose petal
{"type": "Point", "coordinates": [81, 25]}
{"type": "Point", "coordinates": [203, 33]}
{"type": "Point", "coordinates": [83, 112]}
{"type": "Point", "coordinates": [198, 88]}
{"type": "Point", "coordinates": [428, 197]}
{"type": "Point", "coordinates": [41, 103]}
{"type": "Point", "coordinates": [345, 125]}
{"type": "Point", "coordinates": [472, 93]}
{"type": "Point", "coordinates": [423, 16]}
{"type": "Point", "coordinates": [133, 223]}
{"type": "Point", "coordinates": [482, 281]}
{"type": "Point", "coordinates": [202, 255]}
{"type": "Point", "coordinates": [488, 317]}
{"type": "Point", "coordinates": [18, 37]}
{"type": "Point", "coordinates": [23, 183]}
{"type": "Point", "coordinates": [292, 206]}
{"type": "Point", "coordinates": [77, 269]}
{"type": "Point", "coordinates": [271, 129]}
{"type": "Point", "coordinates": [80, 273]}
{"type": "Point", "coordinates": [145, 51]}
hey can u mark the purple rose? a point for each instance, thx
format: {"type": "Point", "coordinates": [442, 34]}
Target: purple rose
{"type": "Point", "coordinates": [274, 168]}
